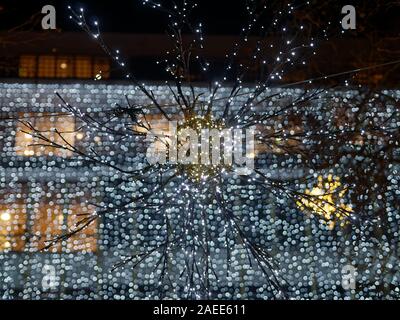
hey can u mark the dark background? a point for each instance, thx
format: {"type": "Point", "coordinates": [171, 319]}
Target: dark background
{"type": "Point", "coordinates": [218, 16]}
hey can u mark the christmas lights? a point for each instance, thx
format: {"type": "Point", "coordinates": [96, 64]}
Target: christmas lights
{"type": "Point", "coordinates": [203, 231]}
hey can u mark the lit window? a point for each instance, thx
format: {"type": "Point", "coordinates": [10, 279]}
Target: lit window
{"type": "Point", "coordinates": [48, 220]}
{"type": "Point", "coordinates": [27, 66]}
{"type": "Point", "coordinates": [64, 67]}
{"type": "Point", "coordinates": [85, 239]}
{"type": "Point", "coordinates": [51, 221]}
{"type": "Point", "coordinates": [46, 123]}
{"type": "Point", "coordinates": [326, 200]}
{"type": "Point", "coordinates": [83, 67]}
{"type": "Point", "coordinates": [43, 221]}
{"type": "Point", "coordinates": [47, 67]}
{"type": "Point", "coordinates": [12, 226]}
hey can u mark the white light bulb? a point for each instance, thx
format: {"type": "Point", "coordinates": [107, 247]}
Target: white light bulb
{"type": "Point", "coordinates": [5, 216]}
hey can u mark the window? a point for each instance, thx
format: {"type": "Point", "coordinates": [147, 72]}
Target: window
{"type": "Point", "coordinates": [83, 67]}
{"type": "Point", "coordinates": [27, 66]}
{"type": "Point", "coordinates": [27, 145]}
{"type": "Point", "coordinates": [47, 67]}
{"type": "Point", "coordinates": [12, 217]}
{"type": "Point", "coordinates": [43, 220]}
{"type": "Point", "coordinates": [64, 66]}
{"type": "Point", "coordinates": [50, 221]}
{"type": "Point", "coordinates": [86, 239]}
{"type": "Point", "coordinates": [12, 226]}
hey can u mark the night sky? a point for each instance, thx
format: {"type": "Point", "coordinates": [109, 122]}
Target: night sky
{"type": "Point", "coordinates": [129, 16]}
{"type": "Point", "coordinates": [218, 16]}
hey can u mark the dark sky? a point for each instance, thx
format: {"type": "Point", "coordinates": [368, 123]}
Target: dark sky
{"type": "Point", "coordinates": [124, 15]}
{"type": "Point", "coordinates": [218, 16]}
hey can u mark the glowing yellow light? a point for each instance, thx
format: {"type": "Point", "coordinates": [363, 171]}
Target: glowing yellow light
{"type": "Point", "coordinates": [7, 245]}
{"type": "Point", "coordinates": [79, 136]}
{"type": "Point", "coordinates": [29, 152]}
{"type": "Point", "coordinates": [5, 216]}
{"type": "Point", "coordinates": [63, 65]}
{"type": "Point", "coordinates": [326, 200]}
{"type": "Point", "coordinates": [199, 172]}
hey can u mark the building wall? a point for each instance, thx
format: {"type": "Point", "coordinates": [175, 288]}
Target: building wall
{"type": "Point", "coordinates": [308, 253]}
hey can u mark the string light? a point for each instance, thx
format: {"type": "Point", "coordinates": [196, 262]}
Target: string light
{"type": "Point", "coordinates": [204, 231]}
